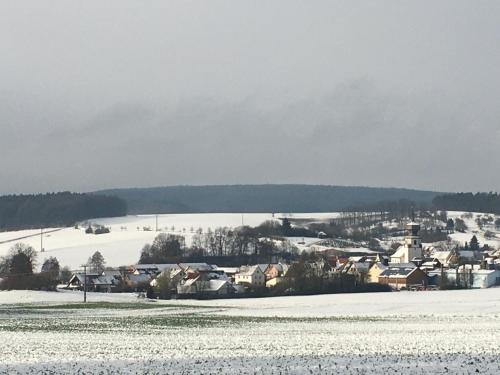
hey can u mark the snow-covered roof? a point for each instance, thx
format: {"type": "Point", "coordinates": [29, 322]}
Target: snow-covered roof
{"type": "Point", "coordinates": [397, 271]}
{"type": "Point", "coordinates": [263, 267]}
{"type": "Point", "coordinates": [249, 270]}
{"type": "Point", "coordinates": [428, 264]}
{"type": "Point", "coordinates": [80, 277]}
{"type": "Point", "coordinates": [279, 266]}
{"type": "Point", "coordinates": [139, 278]}
{"type": "Point", "coordinates": [400, 252]}
{"type": "Point", "coordinates": [197, 266]}
{"type": "Point", "coordinates": [155, 267]}
{"type": "Point", "coordinates": [402, 265]}
{"type": "Point", "coordinates": [227, 270]}
{"type": "Point", "coordinates": [466, 253]}
{"type": "Point", "coordinates": [111, 273]}
{"type": "Point", "coordinates": [361, 266]}
{"type": "Point", "coordinates": [379, 265]}
{"type": "Point", "coordinates": [190, 282]}
{"type": "Point", "coordinates": [216, 284]}
{"type": "Point", "coordinates": [103, 280]}
{"type": "Point", "coordinates": [442, 255]}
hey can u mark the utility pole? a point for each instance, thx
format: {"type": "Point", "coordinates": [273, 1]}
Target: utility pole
{"type": "Point", "coordinates": [41, 239]}
{"type": "Point", "coordinates": [84, 283]}
{"type": "Point", "coordinates": [156, 223]}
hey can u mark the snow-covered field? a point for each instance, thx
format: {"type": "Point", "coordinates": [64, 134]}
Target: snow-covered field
{"type": "Point", "coordinates": [473, 229]}
{"type": "Point", "coordinates": [408, 332]}
{"type": "Point", "coordinates": [122, 246]}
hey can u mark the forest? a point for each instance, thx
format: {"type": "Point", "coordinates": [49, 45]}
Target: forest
{"type": "Point", "coordinates": [470, 202]}
{"type": "Point", "coordinates": [261, 198]}
{"type": "Point", "coordinates": [56, 209]}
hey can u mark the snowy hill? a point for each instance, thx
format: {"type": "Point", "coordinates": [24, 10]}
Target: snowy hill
{"type": "Point", "coordinates": [128, 235]}
{"type": "Point", "coordinates": [474, 229]}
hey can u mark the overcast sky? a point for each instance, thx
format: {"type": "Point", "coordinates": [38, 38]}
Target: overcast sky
{"type": "Point", "coordinates": [102, 94]}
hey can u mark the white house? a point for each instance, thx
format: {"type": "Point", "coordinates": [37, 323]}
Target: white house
{"type": "Point", "coordinates": [476, 278]}
{"type": "Point", "coordinates": [250, 275]}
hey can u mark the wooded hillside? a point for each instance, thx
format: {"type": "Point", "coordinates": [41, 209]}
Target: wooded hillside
{"type": "Point", "coordinates": [259, 198]}
{"type": "Point", "coordinates": [56, 209]}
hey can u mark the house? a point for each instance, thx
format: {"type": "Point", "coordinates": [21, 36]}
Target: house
{"type": "Point", "coordinates": [472, 276]}
{"type": "Point", "coordinates": [337, 263]}
{"type": "Point", "coordinates": [152, 269]}
{"type": "Point", "coordinates": [402, 276]}
{"type": "Point", "coordinates": [251, 276]}
{"type": "Point", "coordinates": [445, 257]}
{"type": "Point", "coordinates": [202, 279]}
{"type": "Point", "coordinates": [359, 269]}
{"type": "Point", "coordinates": [229, 271]}
{"type": "Point", "coordinates": [200, 287]}
{"type": "Point", "coordinates": [271, 283]}
{"type": "Point", "coordinates": [138, 281]}
{"type": "Point", "coordinates": [430, 264]}
{"type": "Point", "coordinates": [77, 281]}
{"type": "Point", "coordinates": [485, 278]}
{"type": "Point", "coordinates": [94, 282]}
{"type": "Point", "coordinates": [174, 274]}
{"type": "Point", "coordinates": [274, 274]}
{"type": "Point", "coordinates": [374, 272]}
{"type": "Point", "coordinates": [275, 270]}
{"type": "Point", "coordinates": [104, 283]}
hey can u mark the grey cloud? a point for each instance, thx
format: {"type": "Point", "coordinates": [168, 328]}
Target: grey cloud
{"type": "Point", "coordinates": [117, 94]}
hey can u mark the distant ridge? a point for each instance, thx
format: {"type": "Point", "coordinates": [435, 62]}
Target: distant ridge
{"type": "Point", "coordinates": [259, 198]}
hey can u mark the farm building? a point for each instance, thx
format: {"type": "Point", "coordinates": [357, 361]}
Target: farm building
{"type": "Point", "coordinates": [402, 276]}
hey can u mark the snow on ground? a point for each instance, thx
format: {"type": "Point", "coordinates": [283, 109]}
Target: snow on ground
{"type": "Point", "coordinates": [476, 302]}
{"type": "Point", "coordinates": [62, 296]}
{"type": "Point", "coordinates": [473, 229]}
{"type": "Point", "coordinates": [122, 246]}
{"type": "Point", "coordinates": [406, 333]}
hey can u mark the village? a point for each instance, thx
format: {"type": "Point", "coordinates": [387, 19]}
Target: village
{"type": "Point", "coordinates": [412, 267]}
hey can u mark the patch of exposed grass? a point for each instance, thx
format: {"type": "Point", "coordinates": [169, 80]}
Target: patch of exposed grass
{"type": "Point", "coordinates": [103, 306]}
{"type": "Point", "coordinates": [54, 321]}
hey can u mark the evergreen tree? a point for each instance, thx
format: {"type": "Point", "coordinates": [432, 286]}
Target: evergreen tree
{"type": "Point", "coordinates": [287, 227]}
{"type": "Point", "coordinates": [450, 224]}
{"type": "Point", "coordinates": [20, 264]}
{"type": "Point", "coordinates": [474, 243]}
{"type": "Point", "coordinates": [21, 259]}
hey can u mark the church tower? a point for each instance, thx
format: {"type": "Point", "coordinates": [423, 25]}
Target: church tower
{"type": "Point", "coordinates": [413, 243]}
